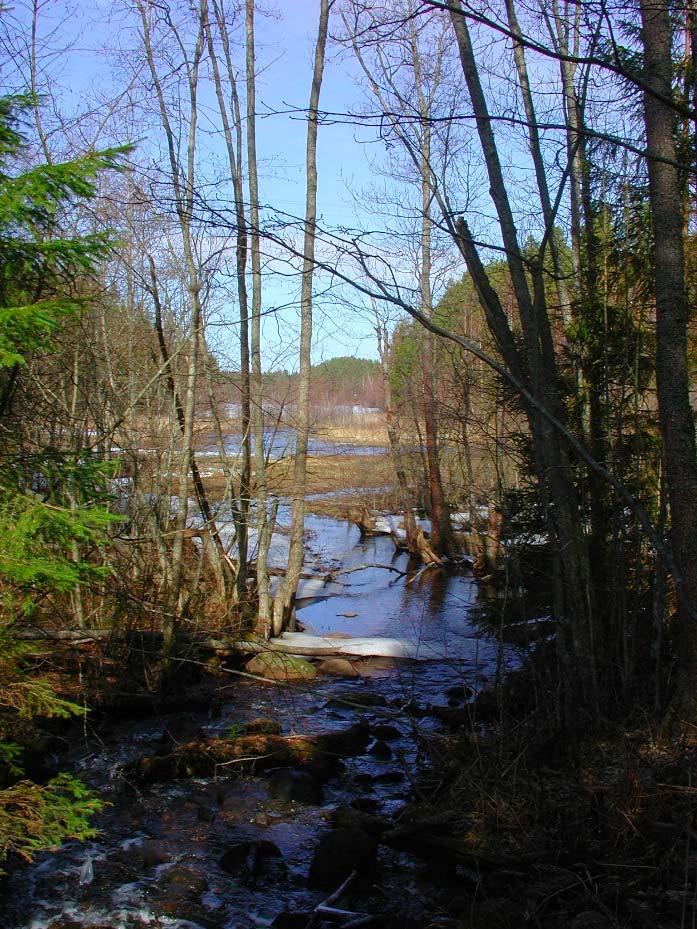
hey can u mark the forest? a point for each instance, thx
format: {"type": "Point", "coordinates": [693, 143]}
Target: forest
{"type": "Point", "coordinates": [348, 470]}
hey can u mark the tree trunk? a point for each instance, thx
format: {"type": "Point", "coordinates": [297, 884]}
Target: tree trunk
{"type": "Point", "coordinates": [264, 526]}
{"type": "Point", "coordinates": [284, 599]}
{"type": "Point", "coordinates": [537, 371]}
{"type": "Point", "coordinates": [182, 178]}
{"type": "Point", "coordinates": [395, 444]}
{"type": "Point", "coordinates": [672, 309]}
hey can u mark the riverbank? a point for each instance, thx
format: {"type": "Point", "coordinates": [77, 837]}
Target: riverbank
{"type": "Point", "coordinates": [458, 802]}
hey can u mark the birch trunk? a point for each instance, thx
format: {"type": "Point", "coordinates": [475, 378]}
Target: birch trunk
{"type": "Point", "coordinates": [284, 599]}
{"type": "Point", "coordinates": [264, 525]}
{"type": "Point", "coordinates": [182, 179]}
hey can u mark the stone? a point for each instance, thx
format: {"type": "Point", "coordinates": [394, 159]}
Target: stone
{"type": "Point", "coordinates": [381, 750]}
{"type": "Point", "coordinates": [289, 785]}
{"type": "Point", "coordinates": [359, 698]}
{"type": "Point", "coordinates": [204, 813]}
{"type": "Point", "coordinates": [261, 726]}
{"type": "Point", "coordinates": [250, 859]}
{"type": "Point", "coordinates": [365, 804]}
{"type": "Point", "coordinates": [377, 667]}
{"type": "Point", "coordinates": [188, 882]}
{"type": "Point", "coordinates": [275, 666]}
{"type": "Point", "coordinates": [151, 853]}
{"type": "Point", "coordinates": [322, 769]}
{"type": "Point", "coordinates": [386, 732]}
{"type": "Point", "coordinates": [338, 667]}
{"type": "Point", "coordinates": [348, 817]}
{"type": "Point", "coordinates": [340, 852]}
{"type": "Point", "coordinates": [458, 692]}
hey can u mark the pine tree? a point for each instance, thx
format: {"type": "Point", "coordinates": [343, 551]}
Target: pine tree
{"type": "Point", "coordinates": [36, 259]}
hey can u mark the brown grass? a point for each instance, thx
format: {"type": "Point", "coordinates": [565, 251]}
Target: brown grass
{"type": "Point", "coordinates": [326, 474]}
{"type": "Point", "coordinates": [370, 434]}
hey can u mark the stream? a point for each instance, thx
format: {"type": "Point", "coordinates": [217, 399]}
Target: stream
{"type": "Point", "coordinates": [157, 858]}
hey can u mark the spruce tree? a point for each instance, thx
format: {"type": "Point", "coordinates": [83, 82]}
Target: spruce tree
{"type": "Point", "coordinates": [37, 259]}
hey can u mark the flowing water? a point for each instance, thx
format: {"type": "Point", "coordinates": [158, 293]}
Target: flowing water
{"type": "Point", "coordinates": [156, 860]}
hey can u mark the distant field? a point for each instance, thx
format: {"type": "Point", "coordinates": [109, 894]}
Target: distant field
{"type": "Point", "coordinates": [364, 429]}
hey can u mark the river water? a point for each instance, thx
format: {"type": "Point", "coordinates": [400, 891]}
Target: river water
{"type": "Point", "coordinates": [156, 860]}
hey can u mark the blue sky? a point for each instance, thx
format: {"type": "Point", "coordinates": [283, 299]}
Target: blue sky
{"type": "Point", "coordinates": [85, 34]}
{"type": "Point", "coordinates": [89, 37]}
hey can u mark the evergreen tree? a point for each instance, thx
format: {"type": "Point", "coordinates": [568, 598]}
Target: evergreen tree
{"type": "Point", "coordinates": [38, 259]}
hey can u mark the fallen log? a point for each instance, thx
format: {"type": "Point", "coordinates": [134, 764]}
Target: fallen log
{"type": "Point", "coordinates": [303, 644]}
{"type": "Point", "coordinates": [248, 754]}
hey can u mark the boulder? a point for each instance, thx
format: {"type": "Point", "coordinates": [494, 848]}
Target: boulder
{"type": "Point", "coordinates": [338, 854]}
{"type": "Point", "coordinates": [151, 853]}
{"type": "Point", "coordinates": [377, 667]}
{"type": "Point", "coordinates": [386, 732]}
{"type": "Point", "coordinates": [250, 859]}
{"type": "Point", "coordinates": [349, 817]}
{"type": "Point", "coordinates": [338, 667]}
{"type": "Point", "coordinates": [458, 692]}
{"type": "Point", "coordinates": [290, 785]}
{"type": "Point", "coordinates": [275, 666]}
{"type": "Point", "coordinates": [187, 882]}
{"type": "Point", "coordinates": [365, 804]}
{"type": "Point", "coordinates": [261, 726]}
{"type": "Point", "coordinates": [359, 698]}
{"type": "Point", "coordinates": [381, 750]}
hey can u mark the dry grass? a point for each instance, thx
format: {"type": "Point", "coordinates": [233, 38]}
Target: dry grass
{"type": "Point", "coordinates": [370, 432]}
{"type": "Point", "coordinates": [326, 474]}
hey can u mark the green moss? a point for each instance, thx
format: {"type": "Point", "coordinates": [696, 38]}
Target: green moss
{"type": "Point", "coordinates": [277, 666]}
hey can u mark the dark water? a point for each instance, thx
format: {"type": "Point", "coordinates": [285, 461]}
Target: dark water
{"type": "Point", "coordinates": [190, 823]}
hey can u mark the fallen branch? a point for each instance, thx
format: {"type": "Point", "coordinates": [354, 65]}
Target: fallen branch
{"type": "Point", "coordinates": [364, 567]}
{"type": "Point", "coordinates": [332, 898]}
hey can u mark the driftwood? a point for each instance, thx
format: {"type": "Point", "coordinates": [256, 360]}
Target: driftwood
{"type": "Point", "coordinates": [250, 753]}
{"type": "Point", "coordinates": [417, 545]}
{"type": "Point", "coordinates": [327, 909]}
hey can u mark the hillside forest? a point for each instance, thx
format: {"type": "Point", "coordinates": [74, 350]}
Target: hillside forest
{"type": "Point", "coordinates": [348, 473]}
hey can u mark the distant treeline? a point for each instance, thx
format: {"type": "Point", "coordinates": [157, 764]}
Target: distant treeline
{"type": "Point", "coordinates": [347, 383]}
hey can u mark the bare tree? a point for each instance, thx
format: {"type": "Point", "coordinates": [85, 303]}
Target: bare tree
{"type": "Point", "coordinates": [284, 598]}
{"type": "Point", "coordinates": [672, 312]}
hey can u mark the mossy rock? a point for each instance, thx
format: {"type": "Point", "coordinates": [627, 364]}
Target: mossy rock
{"type": "Point", "coordinates": [276, 666]}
